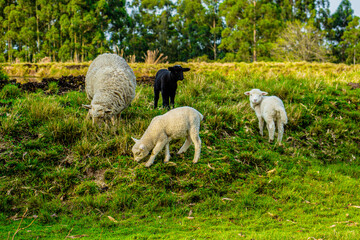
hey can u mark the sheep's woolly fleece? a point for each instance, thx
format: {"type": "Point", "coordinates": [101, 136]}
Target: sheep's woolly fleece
{"type": "Point", "coordinates": [110, 84]}
{"type": "Point", "coordinates": [177, 123]}
{"type": "Point", "coordinates": [268, 108]}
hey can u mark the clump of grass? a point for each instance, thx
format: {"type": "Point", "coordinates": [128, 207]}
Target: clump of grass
{"type": "Point", "coordinates": [10, 91]}
{"type": "Point", "coordinates": [153, 57]}
{"type": "Point", "coordinates": [53, 88]}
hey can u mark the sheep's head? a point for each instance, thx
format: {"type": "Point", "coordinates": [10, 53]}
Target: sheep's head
{"type": "Point", "coordinates": [139, 150]}
{"type": "Point", "coordinates": [256, 96]}
{"type": "Point", "coordinates": [177, 71]}
{"type": "Point", "coordinates": [98, 113]}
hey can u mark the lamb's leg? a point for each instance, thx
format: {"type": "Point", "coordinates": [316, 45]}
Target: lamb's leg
{"type": "Point", "coordinates": [165, 98]}
{"type": "Point", "coordinates": [172, 100]}
{"type": "Point", "coordinates": [194, 135]}
{"type": "Point", "coordinates": [261, 126]}
{"type": "Point", "coordinates": [156, 98]}
{"type": "Point", "coordinates": [271, 129]}
{"type": "Point", "coordinates": [158, 147]}
{"type": "Point", "coordinates": [280, 126]}
{"type": "Point", "coordinates": [113, 120]}
{"type": "Point", "coordinates": [185, 146]}
{"type": "Point", "coordinates": [167, 153]}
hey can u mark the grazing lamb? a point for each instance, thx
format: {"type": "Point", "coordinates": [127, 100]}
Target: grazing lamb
{"type": "Point", "coordinates": [270, 109]}
{"type": "Point", "coordinates": [177, 123]}
{"type": "Point", "coordinates": [166, 82]}
{"type": "Point", "coordinates": [110, 85]}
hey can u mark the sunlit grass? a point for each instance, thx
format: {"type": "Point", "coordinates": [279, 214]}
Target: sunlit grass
{"type": "Point", "coordinates": [72, 175]}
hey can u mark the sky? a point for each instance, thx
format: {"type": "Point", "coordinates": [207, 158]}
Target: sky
{"type": "Point", "coordinates": [355, 5]}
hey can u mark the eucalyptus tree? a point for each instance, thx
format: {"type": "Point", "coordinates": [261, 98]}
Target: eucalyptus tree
{"type": "Point", "coordinates": [336, 28]}
{"type": "Point", "coordinates": [215, 24]}
{"type": "Point", "coordinates": [194, 33]}
{"type": "Point", "coordinates": [351, 41]}
{"type": "Point", "coordinates": [251, 27]}
{"type": "Point", "coordinates": [156, 25]}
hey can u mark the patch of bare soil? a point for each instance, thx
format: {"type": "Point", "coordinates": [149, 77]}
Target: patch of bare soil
{"type": "Point", "coordinates": [65, 83]}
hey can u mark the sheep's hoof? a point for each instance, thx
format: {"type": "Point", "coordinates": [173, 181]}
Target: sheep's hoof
{"type": "Point", "coordinates": [148, 164]}
{"type": "Point", "coordinates": [170, 163]}
{"type": "Point", "coordinates": [195, 161]}
{"type": "Point", "coordinates": [271, 140]}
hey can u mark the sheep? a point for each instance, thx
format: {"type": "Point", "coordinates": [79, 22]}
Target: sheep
{"type": "Point", "coordinates": [176, 123]}
{"type": "Point", "coordinates": [270, 109]}
{"type": "Point", "coordinates": [166, 82]}
{"type": "Point", "coordinates": [110, 86]}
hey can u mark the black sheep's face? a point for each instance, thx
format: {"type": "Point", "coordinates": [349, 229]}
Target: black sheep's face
{"type": "Point", "coordinates": [178, 71]}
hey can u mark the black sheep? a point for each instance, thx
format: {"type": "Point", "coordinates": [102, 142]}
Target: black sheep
{"type": "Point", "coordinates": [166, 82]}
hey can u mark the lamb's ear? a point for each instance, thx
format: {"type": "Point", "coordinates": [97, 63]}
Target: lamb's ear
{"type": "Point", "coordinates": [135, 140]}
{"type": "Point", "coordinates": [264, 93]}
{"type": "Point", "coordinates": [171, 69]}
{"type": "Point", "coordinates": [247, 93]}
{"type": "Point", "coordinates": [87, 106]}
{"type": "Point", "coordinates": [186, 69]}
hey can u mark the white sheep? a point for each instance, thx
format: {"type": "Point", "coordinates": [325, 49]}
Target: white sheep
{"type": "Point", "coordinates": [177, 123]}
{"type": "Point", "coordinates": [268, 108]}
{"type": "Point", "coordinates": [110, 85]}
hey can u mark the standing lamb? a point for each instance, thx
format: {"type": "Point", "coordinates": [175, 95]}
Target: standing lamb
{"type": "Point", "coordinates": [177, 123]}
{"type": "Point", "coordinates": [166, 82]}
{"type": "Point", "coordinates": [110, 85]}
{"type": "Point", "coordinates": [270, 109]}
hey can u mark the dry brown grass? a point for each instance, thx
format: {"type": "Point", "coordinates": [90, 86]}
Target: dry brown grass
{"type": "Point", "coordinates": [153, 57]}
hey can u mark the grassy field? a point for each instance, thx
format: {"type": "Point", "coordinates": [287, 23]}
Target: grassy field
{"type": "Point", "coordinates": [61, 177]}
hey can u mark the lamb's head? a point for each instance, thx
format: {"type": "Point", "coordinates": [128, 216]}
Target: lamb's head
{"type": "Point", "coordinates": [139, 150]}
{"type": "Point", "coordinates": [256, 96]}
{"type": "Point", "coordinates": [98, 113]}
{"type": "Point", "coordinates": [177, 71]}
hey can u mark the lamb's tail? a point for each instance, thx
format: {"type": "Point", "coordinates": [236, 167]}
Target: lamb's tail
{"type": "Point", "coordinates": [201, 116]}
{"type": "Point", "coordinates": [281, 111]}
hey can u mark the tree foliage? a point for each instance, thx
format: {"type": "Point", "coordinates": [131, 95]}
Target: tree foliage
{"type": "Point", "coordinates": [300, 42]}
{"type": "Point", "coordinates": [182, 30]}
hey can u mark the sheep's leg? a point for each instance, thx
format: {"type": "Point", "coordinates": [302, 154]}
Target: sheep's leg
{"type": "Point", "coordinates": [113, 120]}
{"type": "Point", "coordinates": [194, 135]}
{"type": "Point", "coordinates": [186, 145]}
{"type": "Point", "coordinates": [172, 100]}
{"type": "Point", "coordinates": [271, 129]}
{"type": "Point", "coordinates": [165, 98]}
{"type": "Point", "coordinates": [261, 126]}
{"type": "Point", "coordinates": [280, 126]}
{"type": "Point", "coordinates": [167, 153]}
{"type": "Point", "coordinates": [156, 98]}
{"type": "Point", "coordinates": [158, 147]}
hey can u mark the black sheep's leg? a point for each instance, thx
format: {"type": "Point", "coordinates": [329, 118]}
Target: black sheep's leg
{"type": "Point", "coordinates": [156, 98]}
{"type": "Point", "coordinates": [172, 100]}
{"type": "Point", "coordinates": [165, 98]}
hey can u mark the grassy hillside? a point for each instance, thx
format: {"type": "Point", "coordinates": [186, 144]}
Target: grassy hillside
{"type": "Point", "coordinates": [62, 177]}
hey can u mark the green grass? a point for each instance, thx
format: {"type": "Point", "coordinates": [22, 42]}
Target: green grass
{"type": "Point", "coordinates": [68, 176]}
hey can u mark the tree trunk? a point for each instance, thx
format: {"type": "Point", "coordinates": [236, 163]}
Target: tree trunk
{"type": "Point", "coordinates": [354, 56]}
{"type": "Point", "coordinates": [75, 53]}
{"type": "Point", "coordinates": [37, 29]}
{"type": "Point", "coordinates": [254, 50]}
{"type": "Point", "coordinates": [214, 25]}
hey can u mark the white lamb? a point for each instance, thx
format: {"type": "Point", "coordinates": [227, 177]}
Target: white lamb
{"type": "Point", "coordinates": [177, 123]}
{"type": "Point", "coordinates": [271, 109]}
{"type": "Point", "coordinates": [110, 85]}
